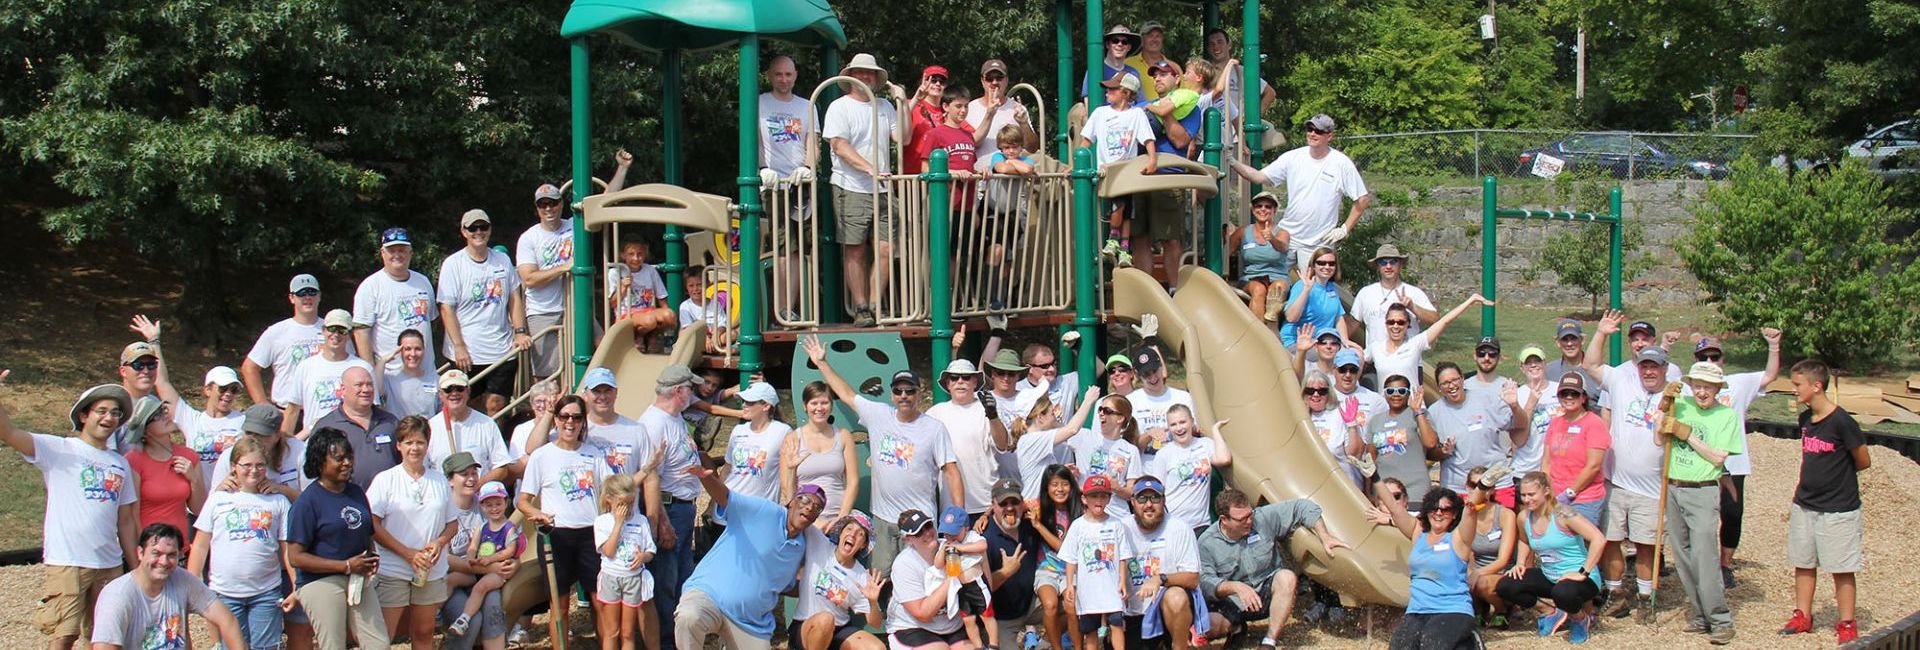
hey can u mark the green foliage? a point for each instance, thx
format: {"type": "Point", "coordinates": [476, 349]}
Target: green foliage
{"type": "Point", "coordinates": [1647, 59]}
{"type": "Point", "coordinates": [1579, 255]}
{"type": "Point", "coordinates": [1379, 227]}
{"type": "Point", "coordinates": [1849, 64]}
{"type": "Point", "coordinates": [1812, 254]}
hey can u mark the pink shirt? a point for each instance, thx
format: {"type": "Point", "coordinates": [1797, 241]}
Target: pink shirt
{"type": "Point", "coordinates": [1567, 445]}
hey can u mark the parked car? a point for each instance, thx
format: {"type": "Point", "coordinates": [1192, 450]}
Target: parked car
{"type": "Point", "coordinates": [1891, 150]}
{"type": "Point", "coordinates": [1623, 155]}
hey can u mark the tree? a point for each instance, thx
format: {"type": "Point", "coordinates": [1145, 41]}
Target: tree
{"type": "Point", "coordinates": [1579, 255]}
{"type": "Point", "coordinates": [1812, 254]}
{"type": "Point", "coordinates": [1848, 64]}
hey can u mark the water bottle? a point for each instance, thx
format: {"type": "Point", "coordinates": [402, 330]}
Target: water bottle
{"type": "Point", "coordinates": [1030, 639]}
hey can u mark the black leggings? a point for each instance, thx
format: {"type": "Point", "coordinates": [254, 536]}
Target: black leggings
{"type": "Point", "coordinates": [1731, 511]}
{"type": "Point", "coordinates": [574, 559]}
{"type": "Point", "coordinates": [1435, 632]}
{"type": "Point", "coordinates": [1570, 596]}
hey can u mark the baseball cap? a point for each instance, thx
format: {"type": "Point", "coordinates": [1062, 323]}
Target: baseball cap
{"type": "Point", "coordinates": [458, 462]}
{"type": "Point", "coordinates": [1147, 484]}
{"type": "Point", "coordinates": [1024, 401]}
{"type": "Point", "coordinates": [912, 521]}
{"type": "Point", "coordinates": [905, 377]}
{"type": "Point", "coordinates": [493, 490]}
{"type": "Point", "coordinates": [474, 216]}
{"type": "Point", "coordinates": [993, 65]}
{"type": "Point", "coordinates": [811, 490]}
{"type": "Point", "coordinates": [1096, 483]}
{"type": "Point", "coordinates": [1123, 80]}
{"type": "Point", "coordinates": [1327, 334]}
{"type": "Point", "coordinates": [1487, 342]}
{"type": "Point", "coordinates": [599, 377]}
{"type": "Point", "coordinates": [90, 396]}
{"type": "Point", "coordinates": [760, 392]}
{"type": "Point", "coordinates": [1532, 352]}
{"type": "Point", "coordinates": [1707, 371]}
{"type": "Point", "coordinates": [678, 375]}
{"type": "Point", "coordinates": [1652, 353]}
{"type": "Point", "coordinates": [454, 377]}
{"type": "Point", "coordinates": [395, 237]}
{"type": "Point", "coordinates": [934, 70]}
{"type": "Point", "coordinates": [1164, 65]}
{"type": "Point", "coordinates": [1265, 196]}
{"type": "Point", "coordinates": [338, 318]}
{"type": "Point", "coordinates": [1147, 361]}
{"type": "Point", "coordinates": [1706, 343]}
{"type": "Point", "coordinates": [1007, 361]}
{"type": "Point", "coordinates": [1151, 26]}
{"type": "Point", "coordinates": [952, 521]}
{"type": "Point", "coordinates": [1573, 380]}
{"type": "Point", "coordinates": [1322, 122]}
{"type": "Point", "coordinates": [301, 282]}
{"type": "Point", "coordinates": [1641, 326]}
{"type": "Point", "coordinates": [547, 192]}
{"type": "Point", "coordinates": [1119, 360]}
{"type": "Point", "coordinates": [1346, 357]}
{"type": "Point", "coordinates": [1004, 488]}
{"type": "Point", "coordinates": [1568, 327]}
{"type": "Point", "coordinates": [261, 420]}
{"type": "Point", "coordinates": [137, 350]}
{"type": "Point", "coordinates": [221, 376]}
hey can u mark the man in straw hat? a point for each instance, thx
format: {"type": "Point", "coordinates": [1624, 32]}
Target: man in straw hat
{"type": "Point", "coordinates": [851, 134]}
{"type": "Point", "coordinates": [1371, 302]}
{"type": "Point", "coordinates": [92, 489]}
{"type": "Point", "coordinates": [1696, 461]}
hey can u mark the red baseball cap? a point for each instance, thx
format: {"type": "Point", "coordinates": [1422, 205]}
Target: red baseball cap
{"type": "Point", "coordinates": [1097, 483]}
{"type": "Point", "coordinates": [935, 70]}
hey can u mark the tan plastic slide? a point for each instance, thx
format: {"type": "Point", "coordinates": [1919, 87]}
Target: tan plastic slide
{"type": "Point", "coordinates": [1237, 369]}
{"type": "Point", "coordinates": [635, 374]}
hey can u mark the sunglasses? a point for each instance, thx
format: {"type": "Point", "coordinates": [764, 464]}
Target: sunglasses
{"type": "Point", "coordinates": [1010, 503]}
{"type": "Point", "coordinates": [1388, 261]}
{"type": "Point", "coordinates": [230, 389]}
{"type": "Point", "coordinates": [1397, 496]}
{"type": "Point", "coordinates": [454, 389]}
{"type": "Point", "coordinates": [480, 227]}
{"type": "Point", "coordinates": [549, 203]}
{"type": "Point", "coordinates": [1396, 391]}
{"type": "Point", "coordinates": [905, 391]}
{"type": "Point", "coordinates": [338, 330]}
{"type": "Point", "coordinates": [306, 293]}
{"type": "Point", "coordinates": [1396, 323]}
{"type": "Point", "coordinates": [1708, 356]}
{"type": "Point", "coordinates": [1117, 41]}
{"type": "Point", "coordinates": [1107, 411]}
{"type": "Point", "coordinates": [1486, 354]}
{"type": "Point", "coordinates": [1326, 263]}
{"type": "Point", "coordinates": [144, 365]}
{"type": "Point", "coordinates": [1571, 394]}
{"type": "Point", "coordinates": [1043, 366]}
{"type": "Point", "coordinates": [1318, 131]}
{"type": "Point", "coordinates": [567, 417]}
{"type": "Point", "coordinates": [1347, 370]}
{"type": "Point", "coordinates": [937, 79]}
{"type": "Point", "coordinates": [1315, 392]}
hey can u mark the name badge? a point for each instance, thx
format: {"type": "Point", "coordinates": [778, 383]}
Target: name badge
{"type": "Point", "coordinates": [1494, 534]}
{"type": "Point", "coordinates": [1573, 429]}
{"type": "Point", "coordinates": [1476, 426]}
{"type": "Point", "coordinates": [1253, 538]}
{"type": "Point", "coordinates": [1245, 246]}
{"type": "Point", "coordinates": [382, 438]}
{"type": "Point", "coordinates": [1443, 546]}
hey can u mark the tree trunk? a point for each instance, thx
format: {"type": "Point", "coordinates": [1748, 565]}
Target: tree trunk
{"type": "Point", "coordinates": [203, 310]}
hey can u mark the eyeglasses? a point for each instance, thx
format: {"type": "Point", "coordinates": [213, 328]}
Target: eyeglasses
{"type": "Point", "coordinates": [1396, 391]}
{"type": "Point", "coordinates": [1240, 519]}
{"type": "Point", "coordinates": [1150, 497]}
{"type": "Point", "coordinates": [1486, 354]}
{"type": "Point", "coordinates": [1326, 263]}
{"type": "Point", "coordinates": [1396, 323]}
{"type": "Point", "coordinates": [250, 466]}
{"type": "Point", "coordinates": [905, 391]}
{"type": "Point", "coordinates": [480, 227]}
{"type": "Point", "coordinates": [1708, 356]}
{"type": "Point", "coordinates": [1107, 411]}
{"type": "Point", "coordinates": [1571, 394]}
{"type": "Point", "coordinates": [306, 293]}
{"type": "Point", "coordinates": [142, 365]}
{"type": "Point", "coordinates": [567, 417]}
{"type": "Point", "coordinates": [1315, 392]}
{"type": "Point", "coordinates": [1043, 366]}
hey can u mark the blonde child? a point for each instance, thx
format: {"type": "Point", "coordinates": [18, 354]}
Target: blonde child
{"type": "Point", "coordinates": [495, 540]}
{"type": "Point", "coordinates": [637, 292]}
{"type": "Point", "coordinates": [624, 602]}
{"type": "Point", "coordinates": [696, 309]}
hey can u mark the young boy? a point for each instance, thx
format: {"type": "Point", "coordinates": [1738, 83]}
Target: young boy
{"type": "Point", "coordinates": [955, 136]}
{"type": "Point", "coordinates": [1823, 526]}
{"type": "Point", "coordinates": [637, 291]}
{"type": "Point", "coordinates": [965, 554]}
{"type": "Point", "coordinates": [1006, 205]}
{"type": "Point", "coordinates": [695, 309]}
{"type": "Point", "coordinates": [1118, 132]}
{"type": "Point", "coordinates": [1096, 550]}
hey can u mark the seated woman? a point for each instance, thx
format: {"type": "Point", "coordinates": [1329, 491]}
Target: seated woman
{"type": "Point", "coordinates": [1261, 246]}
{"type": "Point", "coordinates": [1493, 543]}
{"type": "Point", "coordinates": [1565, 548]}
{"type": "Point", "coordinates": [1315, 300]}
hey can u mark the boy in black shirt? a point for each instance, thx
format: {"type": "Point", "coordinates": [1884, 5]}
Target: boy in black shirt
{"type": "Point", "coordinates": [1823, 528]}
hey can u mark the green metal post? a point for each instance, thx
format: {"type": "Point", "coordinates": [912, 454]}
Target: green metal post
{"type": "Point", "coordinates": [1064, 355]}
{"type": "Point", "coordinates": [1616, 232]}
{"type": "Point", "coordinates": [1489, 239]}
{"type": "Point", "coordinates": [1250, 77]}
{"type": "Point", "coordinates": [749, 181]}
{"type": "Point", "coordinates": [1216, 255]}
{"type": "Point", "coordinates": [1063, 44]}
{"type": "Point", "coordinates": [670, 125]}
{"type": "Point", "coordinates": [1096, 54]}
{"type": "Point", "coordinates": [940, 251]}
{"type": "Point", "coordinates": [829, 253]}
{"type": "Point", "coordinates": [1212, 21]}
{"type": "Point", "coordinates": [1086, 274]}
{"type": "Point", "coordinates": [583, 299]}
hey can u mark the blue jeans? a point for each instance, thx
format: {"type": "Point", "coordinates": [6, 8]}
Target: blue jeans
{"type": "Point", "coordinates": [490, 623]}
{"type": "Point", "coordinates": [260, 618]}
{"type": "Point", "coordinates": [672, 567]}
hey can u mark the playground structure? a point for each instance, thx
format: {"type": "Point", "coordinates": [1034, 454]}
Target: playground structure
{"type": "Point", "coordinates": [1491, 213]}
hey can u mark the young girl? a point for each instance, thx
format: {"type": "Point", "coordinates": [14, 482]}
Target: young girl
{"type": "Point", "coordinates": [1039, 434]}
{"type": "Point", "coordinates": [624, 603]}
{"type": "Point", "coordinates": [1186, 464]}
{"type": "Point", "coordinates": [246, 527]}
{"type": "Point", "coordinates": [1058, 508]}
{"type": "Point", "coordinates": [635, 290]}
{"type": "Point", "coordinates": [1096, 551]}
{"type": "Point", "coordinates": [494, 541]}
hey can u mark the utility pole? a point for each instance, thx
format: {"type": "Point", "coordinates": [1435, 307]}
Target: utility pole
{"type": "Point", "coordinates": [1580, 62]}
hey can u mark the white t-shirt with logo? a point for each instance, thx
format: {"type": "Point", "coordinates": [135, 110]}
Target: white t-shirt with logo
{"type": "Point", "coordinates": [544, 250]}
{"type": "Point", "coordinates": [1117, 136]}
{"type": "Point", "coordinates": [282, 347]}
{"type": "Point", "coordinates": [624, 442]}
{"type": "Point", "coordinates": [636, 537]}
{"type": "Point", "coordinates": [754, 459]}
{"type": "Point", "coordinates": [290, 473]}
{"type": "Point", "coordinates": [970, 437]}
{"type": "Point", "coordinates": [1314, 190]}
{"type": "Point", "coordinates": [86, 487]}
{"type": "Point", "coordinates": [206, 436]}
{"type": "Point", "coordinates": [392, 306]}
{"type": "Point", "coordinates": [647, 291]}
{"type": "Point", "coordinates": [567, 482]}
{"type": "Point", "coordinates": [475, 434]}
{"type": "Point", "coordinates": [907, 458]}
{"type": "Point", "coordinates": [1098, 553]}
{"type": "Point", "coordinates": [825, 586]}
{"type": "Point", "coordinates": [126, 617]}
{"type": "Point", "coordinates": [910, 574]}
{"type": "Point", "coordinates": [318, 382]}
{"type": "Point", "coordinates": [1150, 411]}
{"type": "Point", "coordinates": [1169, 550]}
{"type": "Point", "coordinates": [681, 453]}
{"type": "Point", "coordinates": [480, 293]}
{"type": "Point", "coordinates": [1370, 308]}
{"type": "Point", "coordinates": [245, 531]}
{"type": "Point", "coordinates": [1633, 462]}
{"type": "Point", "coordinates": [852, 120]}
{"type": "Point", "coordinates": [1188, 474]}
{"type": "Point", "coordinates": [784, 127]}
{"type": "Point", "coordinates": [414, 511]}
{"type": "Point", "coordinates": [1115, 459]}
{"type": "Point", "coordinates": [1033, 452]}
{"type": "Point", "coordinates": [1739, 394]}
{"type": "Point", "coordinates": [1404, 361]}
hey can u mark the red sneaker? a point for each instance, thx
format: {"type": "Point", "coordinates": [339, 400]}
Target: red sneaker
{"type": "Point", "coordinates": [1847, 631]}
{"type": "Point", "coordinates": [1799, 624]}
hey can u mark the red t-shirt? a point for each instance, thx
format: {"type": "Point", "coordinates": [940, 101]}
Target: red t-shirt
{"type": "Point", "coordinates": [925, 118]}
{"type": "Point", "coordinates": [1567, 445]}
{"type": "Point", "coordinates": [163, 493]}
{"type": "Point", "coordinates": [958, 143]}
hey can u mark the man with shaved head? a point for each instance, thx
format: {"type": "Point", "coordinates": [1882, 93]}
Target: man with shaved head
{"type": "Point", "coordinates": [367, 427]}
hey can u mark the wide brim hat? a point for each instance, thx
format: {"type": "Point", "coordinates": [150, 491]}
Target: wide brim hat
{"type": "Point", "coordinates": [104, 391]}
{"type": "Point", "coordinates": [865, 61]}
{"type": "Point", "coordinates": [1121, 31]}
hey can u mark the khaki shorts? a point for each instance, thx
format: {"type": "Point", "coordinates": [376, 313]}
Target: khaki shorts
{"type": "Point", "coordinates": [1824, 540]}
{"type": "Point", "coordinates": [855, 218]}
{"type": "Point", "coordinates": [400, 592]}
{"type": "Point", "coordinates": [67, 599]}
{"type": "Point", "coordinates": [1166, 215]}
{"type": "Point", "coordinates": [1631, 517]}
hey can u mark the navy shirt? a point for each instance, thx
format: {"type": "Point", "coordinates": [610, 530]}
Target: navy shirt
{"type": "Point", "coordinates": [332, 526]}
{"type": "Point", "coordinates": [1015, 596]}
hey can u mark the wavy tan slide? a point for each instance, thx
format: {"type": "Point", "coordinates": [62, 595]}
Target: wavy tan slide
{"type": "Point", "coordinates": [635, 373]}
{"type": "Point", "coordinates": [1237, 369]}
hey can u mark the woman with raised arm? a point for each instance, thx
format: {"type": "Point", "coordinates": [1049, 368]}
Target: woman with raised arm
{"type": "Point", "coordinates": [823, 454]}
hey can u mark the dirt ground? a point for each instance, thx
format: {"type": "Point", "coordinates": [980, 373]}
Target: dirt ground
{"type": "Point", "coordinates": [1761, 601]}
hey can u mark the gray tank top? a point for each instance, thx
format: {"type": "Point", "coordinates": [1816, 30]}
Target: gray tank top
{"type": "Point", "coordinates": [827, 469]}
{"type": "Point", "coordinates": [1486, 543]}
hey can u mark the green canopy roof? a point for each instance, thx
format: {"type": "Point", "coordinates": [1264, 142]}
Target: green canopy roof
{"type": "Point", "coordinates": [701, 24]}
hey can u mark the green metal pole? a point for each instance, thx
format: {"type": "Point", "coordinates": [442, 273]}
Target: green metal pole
{"type": "Point", "coordinates": [1250, 77]}
{"type": "Point", "coordinates": [1489, 239]}
{"type": "Point", "coordinates": [670, 126]}
{"type": "Point", "coordinates": [1096, 31]}
{"type": "Point", "coordinates": [1216, 254]}
{"type": "Point", "coordinates": [940, 249]}
{"type": "Point", "coordinates": [829, 253]}
{"type": "Point", "coordinates": [749, 181]}
{"type": "Point", "coordinates": [1616, 236]}
{"type": "Point", "coordinates": [1086, 274]}
{"type": "Point", "coordinates": [582, 184]}
{"type": "Point", "coordinates": [1063, 44]}
{"type": "Point", "coordinates": [1212, 21]}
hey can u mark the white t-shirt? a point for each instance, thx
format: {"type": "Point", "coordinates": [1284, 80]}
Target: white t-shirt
{"type": "Point", "coordinates": [244, 544]}
{"type": "Point", "coordinates": [1370, 308]}
{"type": "Point", "coordinates": [692, 312]}
{"type": "Point", "coordinates": [1064, 392]}
{"type": "Point", "coordinates": [636, 537]}
{"type": "Point", "coordinates": [282, 347]}
{"type": "Point", "coordinates": [414, 511]}
{"type": "Point", "coordinates": [1314, 190]}
{"type": "Point", "coordinates": [1404, 361]}
{"type": "Point", "coordinates": [977, 115]}
{"type": "Point", "coordinates": [476, 434]}
{"type": "Point", "coordinates": [755, 459]}
{"type": "Point", "coordinates": [288, 474]}
{"type": "Point", "coordinates": [624, 441]}
{"type": "Point", "coordinates": [206, 436]}
{"type": "Point", "coordinates": [1171, 549]}
{"type": "Point", "coordinates": [403, 394]}
{"type": "Point", "coordinates": [391, 306]}
{"type": "Point", "coordinates": [544, 249]}
{"type": "Point", "coordinates": [1098, 552]}
{"type": "Point", "coordinates": [126, 617]}
{"type": "Point", "coordinates": [567, 482]}
{"type": "Point", "coordinates": [909, 575]}
{"type": "Point", "coordinates": [318, 386]}
{"type": "Point", "coordinates": [971, 439]}
{"type": "Point", "coordinates": [825, 586]}
{"type": "Point", "coordinates": [647, 291]}
{"type": "Point", "coordinates": [86, 486]}
{"type": "Point", "coordinates": [521, 432]}
{"type": "Point", "coordinates": [1034, 452]}
{"type": "Point", "coordinates": [1116, 459]}
{"type": "Point", "coordinates": [681, 453]}
{"type": "Point", "coordinates": [852, 120]}
{"type": "Point", "coordinates": [1150, 411]}
{"type": "Point", "coordinates": [906, 459]}
{"type": "Point", "coordinates": [784, 128]}
{"type": "Point", "coordinates": [1371, 403]}
{"type": "Point", "coordinates": [1117, 136]}
{"type": "Point", "coordinates": [1528, 457]}
{"type": "Point", "coordinates": [1739, 394]}
{"type": "Point", "coordinates": [1633, 462]}
{"type": "Point", "coordinates": [1332, 430]}
{"type": "Point", "coordinates": [1188, 474]}
{"type": "Point", "coordinates": [480, 293]}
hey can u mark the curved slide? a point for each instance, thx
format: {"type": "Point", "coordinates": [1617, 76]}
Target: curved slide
{"type": "Point", "coordinates": [1237, 369]}
{"type": "Point", "coordinates": [635, 373]}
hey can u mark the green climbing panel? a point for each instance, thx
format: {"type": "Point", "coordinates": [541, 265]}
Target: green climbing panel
{"type": "Point", "coordinates": [867, 361]}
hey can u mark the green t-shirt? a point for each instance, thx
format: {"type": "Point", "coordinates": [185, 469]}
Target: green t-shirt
{"type": "Point", "coordinates": [1184, 101]}
{"type": "Point", "coordinates": [1718, 427]}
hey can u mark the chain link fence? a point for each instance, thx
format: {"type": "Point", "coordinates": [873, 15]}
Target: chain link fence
{"type": "Point", "coordinates": [1511, 153]}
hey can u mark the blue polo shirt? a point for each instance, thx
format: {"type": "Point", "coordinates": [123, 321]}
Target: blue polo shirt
{"type": "Point", "coordinates": [751, 564]}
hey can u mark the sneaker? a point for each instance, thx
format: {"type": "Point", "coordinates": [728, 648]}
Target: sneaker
{"type": "Point", "coordinates": [459, 625]}
{"type": "Point", "coordinates": [1726, 577]}
{"type": "Point", "coordinates": [1578, 629]}
{"type": "Point", "coordinates": [863, 317]}
{"type": "Point", "coordinates": [1619, 604]}
{"type": "Point", "coordinates": [1644, 605]}
{"type": "Point", "coordinates": [1550, 623]}
{"type": "Point", "coordinates": [1112, 249]}
{"type": "Point", "coordinates": [1722, 636]}
{"type": "Point", "coordinates": [1799, 624]}
{"type": "Point", "coordinates": [1697, 626]}
{"type": "Point", "coordinates": [1847, 631]}
{"type": "Point", "coordinates": [518, 636]}
{"type": "Point", "coordinates": [1124, 260]}
{"type": "Point", "coordinates": [1315, 612]}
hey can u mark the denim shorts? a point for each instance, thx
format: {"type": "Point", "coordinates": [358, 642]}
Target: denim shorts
{"type": "Point", "coordinates": [260, 618]}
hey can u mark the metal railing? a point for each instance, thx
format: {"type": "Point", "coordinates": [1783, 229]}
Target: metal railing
{"type": "Point", "coordinates": [1903, 634]}
{"type": "Point", "coordinates": [1516, 153]}
{"type": "Point", "coordinates": [1012, 247]}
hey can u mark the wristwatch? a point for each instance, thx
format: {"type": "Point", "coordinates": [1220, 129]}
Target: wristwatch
{"type": "Point", "coordinates": [520, 330]}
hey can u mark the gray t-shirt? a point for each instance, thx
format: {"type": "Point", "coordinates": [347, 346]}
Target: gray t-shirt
{"type": "Point", "coordinates": [906, 458]}
{"type": "Point", "coordinates": [1398, 452]}
{"type": "Point", "coordinates": [406, 394]}
{"type": "Point", "coordinates": [1477, 426]}
{"type": "Point", "coordinates": [126, 617]}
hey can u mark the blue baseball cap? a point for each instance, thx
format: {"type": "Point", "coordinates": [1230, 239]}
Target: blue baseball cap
{"type": "Point", "coordinates": [598, 377]}
{"type": "Point", "coordinates": [952, 521]}
{"type": "Point", "coordinates": [395, 237]}
{"type": "Point", "coordinates": [1346, 357]}
{"type": "Point", "coordinates": [1147, 484]}
{"type": "Point", "coordinates": [1568, 327]}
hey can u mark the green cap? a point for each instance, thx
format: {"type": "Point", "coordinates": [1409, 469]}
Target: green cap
{"type": "Point", "coordinates": [1119, 360]}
